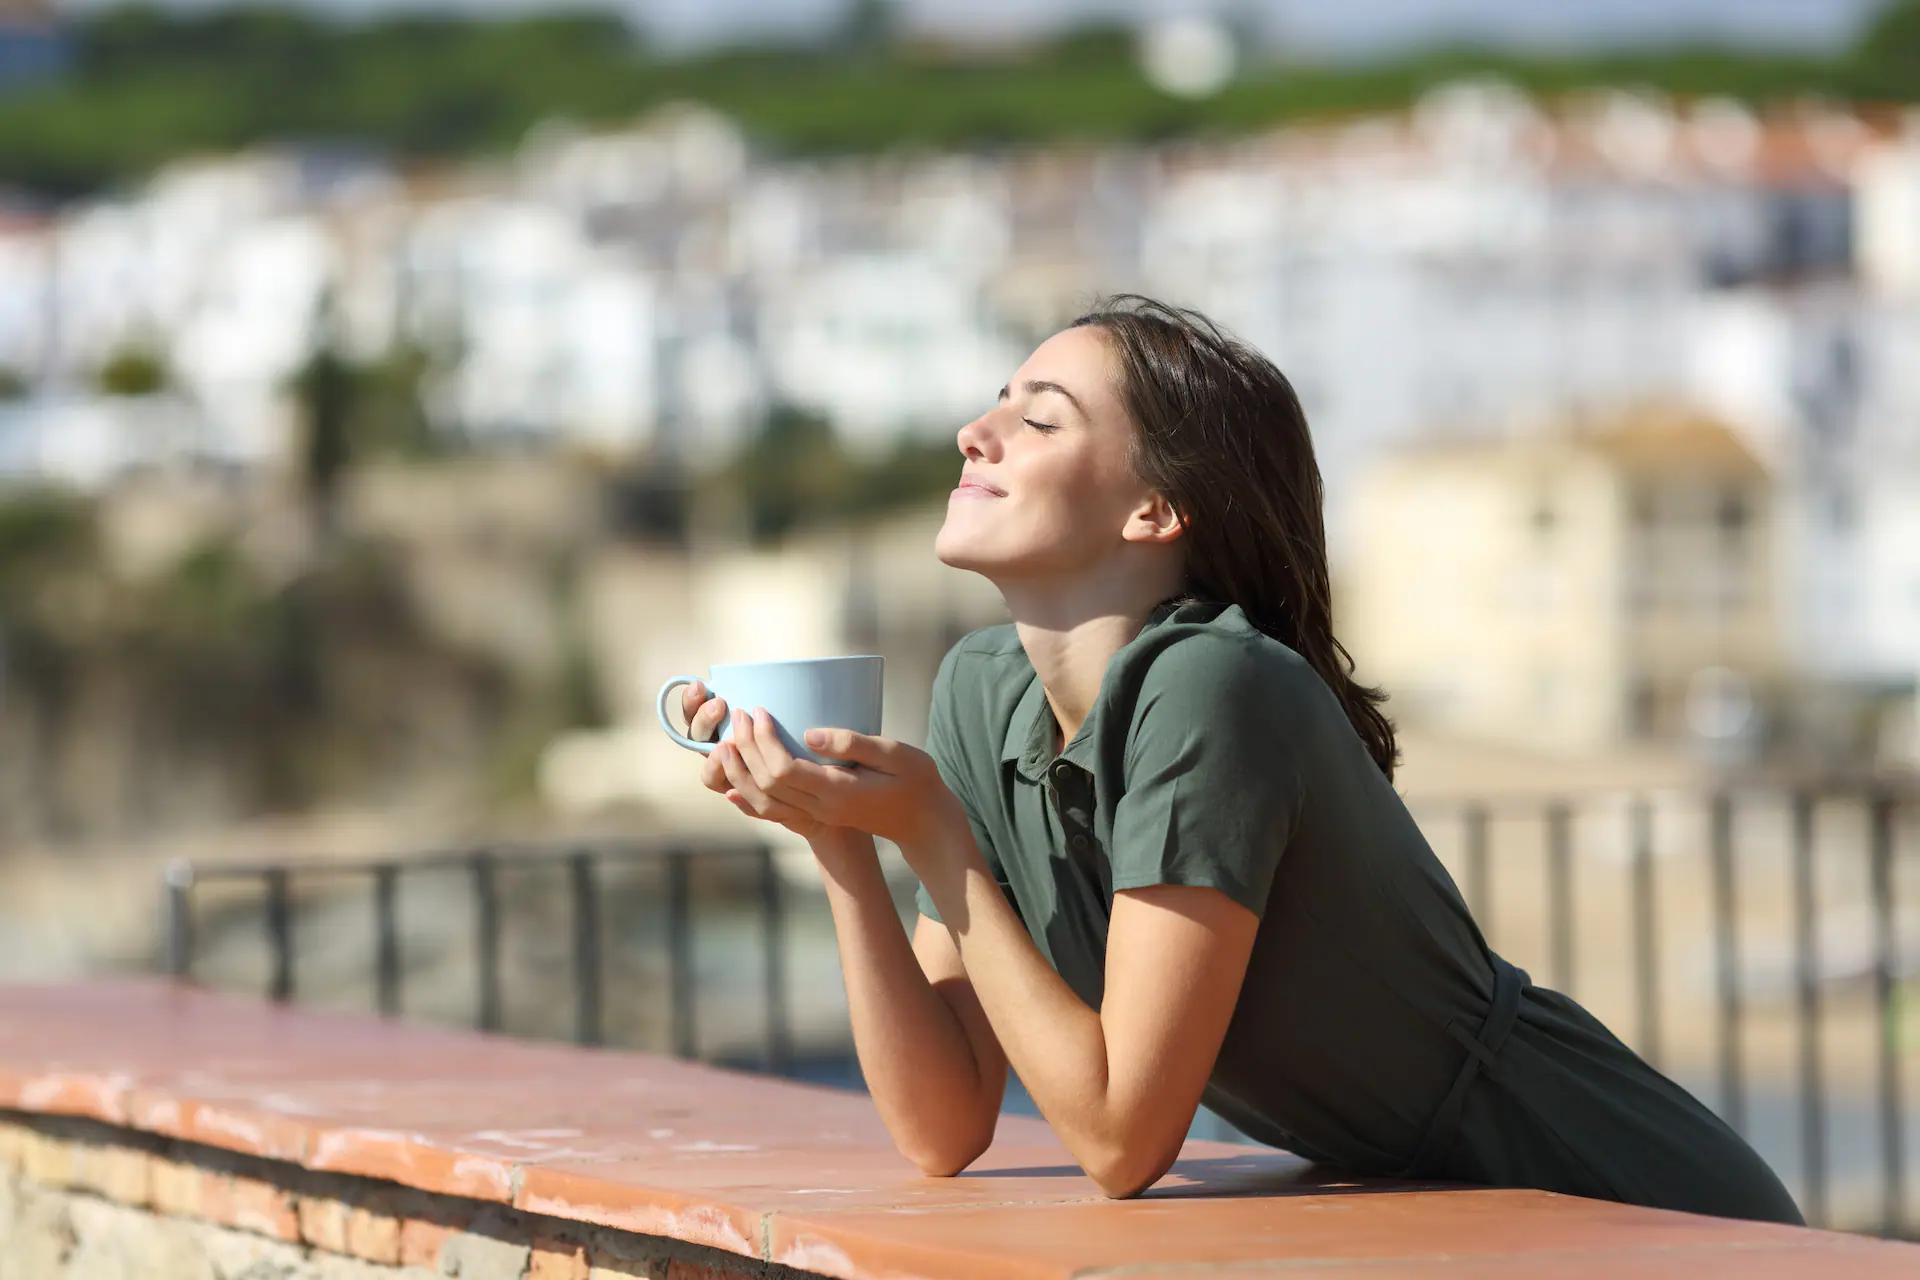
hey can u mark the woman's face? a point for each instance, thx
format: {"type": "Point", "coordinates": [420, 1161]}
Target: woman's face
{"type": "Point", "coordinates": [1055, 446]}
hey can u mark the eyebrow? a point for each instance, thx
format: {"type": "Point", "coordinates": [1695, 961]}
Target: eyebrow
{"type": "Point", "coordinates": [1036, 385]}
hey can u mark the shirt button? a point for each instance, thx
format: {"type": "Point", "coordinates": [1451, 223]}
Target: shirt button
{"type": "Point", "coordinates": [1061, 769]}
{"type": "Point", "coordinates": [1079, 840]}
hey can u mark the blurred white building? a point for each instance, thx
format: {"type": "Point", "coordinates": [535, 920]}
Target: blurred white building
{"type": "Point", "coordinates": [552, 338]}
{"type": "Point", "coordinates": [1475, 262]}
{"type": "Point", "coordinates": [1576, 588]}
{"type": "Point", "coordinates": [1887, 213]}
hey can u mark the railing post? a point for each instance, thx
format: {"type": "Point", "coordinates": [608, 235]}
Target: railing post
{"type": "Point", "coordinates": [387, 939]}
{"type": "Point", "coordinates": [586, 947]}
{"type": "Point", "coordinates": [1560, 892]}
{"type": "Point", "coordinates": [1733, 1102]}
{"type": "Point", "coordinates": [279, 934]}
{"type": "Point", "coordinates": [1892, 1114]}
{"type": "Point", "coordinates": [772, 931]}
{"type": "Point", "coordinates": [1644, 944]}
{"type": "Point", "coordinates": [1479, 887]}
{"type": "Point", "coordinates": [680, 952]}
{"type": "Point", "coordinates": [486, 913]}
{"type": "Point", "coordinates": [1813, 1136]}
{"type": "Point", "coordinates": [178, 905]}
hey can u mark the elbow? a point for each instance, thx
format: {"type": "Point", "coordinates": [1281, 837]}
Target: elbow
{"type": "Point", "coordinates": [1122, 1186]}
{"type": "Point", "coordinates": [947, 1164]}
{"type": "Point", "coordinates": [943, 1168]}
{"type": "Point", "coordinates": [1130, 1168]}
{"type": "Point", "coordinates": [1124, 1179]}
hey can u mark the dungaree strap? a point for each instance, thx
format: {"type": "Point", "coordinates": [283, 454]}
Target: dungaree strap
{"type": "Point", "coordinates": [1508, 982]}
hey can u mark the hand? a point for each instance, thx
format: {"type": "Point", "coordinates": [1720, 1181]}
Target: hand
{"type": "Point", "coordinates": [894, 791]}
{"type": "Point", "coordinates": [704, 716]}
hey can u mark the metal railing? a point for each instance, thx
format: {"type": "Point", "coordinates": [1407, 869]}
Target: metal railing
{"type": "Point", "coordinates": [1881, 804]}
{"type": "Point", "coordinates": [581, 865]}
{"type": "Point", "coordinates": [1460, 828]}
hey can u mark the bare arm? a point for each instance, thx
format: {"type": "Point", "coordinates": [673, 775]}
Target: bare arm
{"type": "Point", "coordinates": [931, 1061]}
{"type": "Point", "coordinates": [1120, 1084]}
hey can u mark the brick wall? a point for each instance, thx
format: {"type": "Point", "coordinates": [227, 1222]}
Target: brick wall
{"type": "Point", "coordinates": [80, 1198]}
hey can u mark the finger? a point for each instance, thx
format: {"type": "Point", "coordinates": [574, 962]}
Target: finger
{"type": "Point", "coordinates": [705, 725]}
{"type": "Point", "coordinates": [796, 814]}
{"type": "Point", "coordinates": [749, 746]}
{"type": "Point", "coordinates": [712, 776]}
{"type": "Point", "coordinates": [784, 814]}
{"type": "Point", "coordinates": [728, 753]}
{"type": "Point", "coordinates": [785, 778]}
{"type": "Point", "coordinates": [861, 748]}
{"type": "Point", "coordinates": [692, 694]}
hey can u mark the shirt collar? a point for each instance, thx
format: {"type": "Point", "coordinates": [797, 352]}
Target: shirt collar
{"type": "Point", "coordinates": [1029, 740]}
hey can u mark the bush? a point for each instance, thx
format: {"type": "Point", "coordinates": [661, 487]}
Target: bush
{"type": "Point", "coordinates": [132, 371]}
{"type": "Point", "coordinates": [796, 472]}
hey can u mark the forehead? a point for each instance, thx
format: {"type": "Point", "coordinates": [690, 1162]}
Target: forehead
{"type": "Point", "coordinates": [1080, 360]}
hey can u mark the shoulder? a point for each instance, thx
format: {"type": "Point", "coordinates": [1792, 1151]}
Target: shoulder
{"type": "Point", "coordinates": [1213, 659]}
{"type": "Point", "coordinates": [980, 678]}
{"type": "Point", "coordinates": [981, 659]}
{"type": "Point", "coordinates": [999, 641]}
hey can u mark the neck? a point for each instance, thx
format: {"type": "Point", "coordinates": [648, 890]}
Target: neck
{"type": "Point", "coordinates": [1070, 644]}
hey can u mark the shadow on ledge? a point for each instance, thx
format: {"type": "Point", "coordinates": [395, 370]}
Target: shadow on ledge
{"type": "Point", "coordinates": [1251, 1175]}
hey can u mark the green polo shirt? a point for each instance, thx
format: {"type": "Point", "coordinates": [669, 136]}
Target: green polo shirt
{"type": "Point", "coordinates": [1215, 755]}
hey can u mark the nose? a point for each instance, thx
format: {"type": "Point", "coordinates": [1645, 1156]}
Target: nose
{"type": "Point", "coordinates": [973, 437]}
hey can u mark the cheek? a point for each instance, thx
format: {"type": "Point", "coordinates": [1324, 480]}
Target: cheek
{"type": "Point", "coordinates": [1085, 494]}
{"type": "Point", "coordinates": [1063, 478]}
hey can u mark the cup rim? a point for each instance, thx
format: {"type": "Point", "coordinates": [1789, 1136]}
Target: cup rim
{"type": "Point", "coordinates": [793, 662]}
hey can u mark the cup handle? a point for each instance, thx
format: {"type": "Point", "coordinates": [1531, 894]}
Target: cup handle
{"type": "Point", "coordinates": [704, 748]}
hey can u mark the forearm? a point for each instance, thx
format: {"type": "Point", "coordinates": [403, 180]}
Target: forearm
{"type": "Point", "coordinates": [918, 1064]}
{"type": "Point", "coordinates": [1052, 1039]}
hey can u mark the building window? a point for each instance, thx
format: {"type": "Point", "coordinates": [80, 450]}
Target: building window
{"type": "Point", "coordinates": [1543, 518]}
{"type": "Point", "coordinates": [1733, 513]}
{"type": "Point", "coordinates": [1641, 506]}
{"type": "Point", "coordinates": [1640, 707]}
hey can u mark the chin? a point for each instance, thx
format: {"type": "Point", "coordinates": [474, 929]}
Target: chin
{"type": "Point", "coordinates": [950, 548]}
{"type": "Point", "coordinates": [947, 550]}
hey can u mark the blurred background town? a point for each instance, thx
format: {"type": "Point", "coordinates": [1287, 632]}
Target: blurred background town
{"type": "Point", "coordinates": [392, 397]}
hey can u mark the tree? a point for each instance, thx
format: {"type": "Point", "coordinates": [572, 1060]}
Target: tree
{"type": "Point", "coordinates": [327, 389]}
{"type": "Point", "coordinates": [1887, 55]}
{"type": "Point", "coordinates": [133, 370]}
{"type": "Point", "coordinates": [791, 472]}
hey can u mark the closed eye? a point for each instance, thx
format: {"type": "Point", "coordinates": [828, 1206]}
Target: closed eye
{"type": "Point", "coordinates": [1041, 426]}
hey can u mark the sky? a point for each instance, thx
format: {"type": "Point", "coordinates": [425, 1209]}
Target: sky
{"type": "Point", "coordinates": [1327, 28]}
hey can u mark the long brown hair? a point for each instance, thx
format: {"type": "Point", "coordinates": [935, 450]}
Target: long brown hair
{"type": "Point", "coordinates": [1222, 435]}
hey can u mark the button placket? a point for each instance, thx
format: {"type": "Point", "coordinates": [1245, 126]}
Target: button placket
{"type": "Point", "coordinates": [1071, 807]}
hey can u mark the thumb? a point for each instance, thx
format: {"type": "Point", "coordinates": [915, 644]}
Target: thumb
{"type": "Point", "coordinates": [845, 744]}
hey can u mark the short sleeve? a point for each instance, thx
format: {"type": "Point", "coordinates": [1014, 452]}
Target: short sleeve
{"type": "Point", "coordinates": [1212, 777]}
{"type": "Point", "coordinates": [944, 746]}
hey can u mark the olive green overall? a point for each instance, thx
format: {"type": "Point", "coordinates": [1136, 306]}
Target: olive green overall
{"type": "Point", "coordinates": [1375, 1030]}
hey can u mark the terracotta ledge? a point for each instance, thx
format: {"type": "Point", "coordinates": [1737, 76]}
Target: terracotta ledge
{"type": "Point", "coordinates": [767, 1171]}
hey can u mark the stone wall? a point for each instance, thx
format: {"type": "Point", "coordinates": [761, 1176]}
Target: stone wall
{"type": "Point", "coordinates": [79, 1198]}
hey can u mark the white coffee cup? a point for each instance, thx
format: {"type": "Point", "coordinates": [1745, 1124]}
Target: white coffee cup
{"type": "Point", "coordinates": [799, 694]}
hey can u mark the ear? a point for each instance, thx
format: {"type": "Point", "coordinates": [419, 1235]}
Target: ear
{"type": "Point", "coordinates": [1154, 520]}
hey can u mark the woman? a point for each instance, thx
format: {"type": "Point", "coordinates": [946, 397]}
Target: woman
{"type": "Point", "coordinates": [1161, 858]}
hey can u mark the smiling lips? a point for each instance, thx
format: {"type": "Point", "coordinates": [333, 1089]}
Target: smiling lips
{"type": "Point", "coordinates": [977, 488]}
